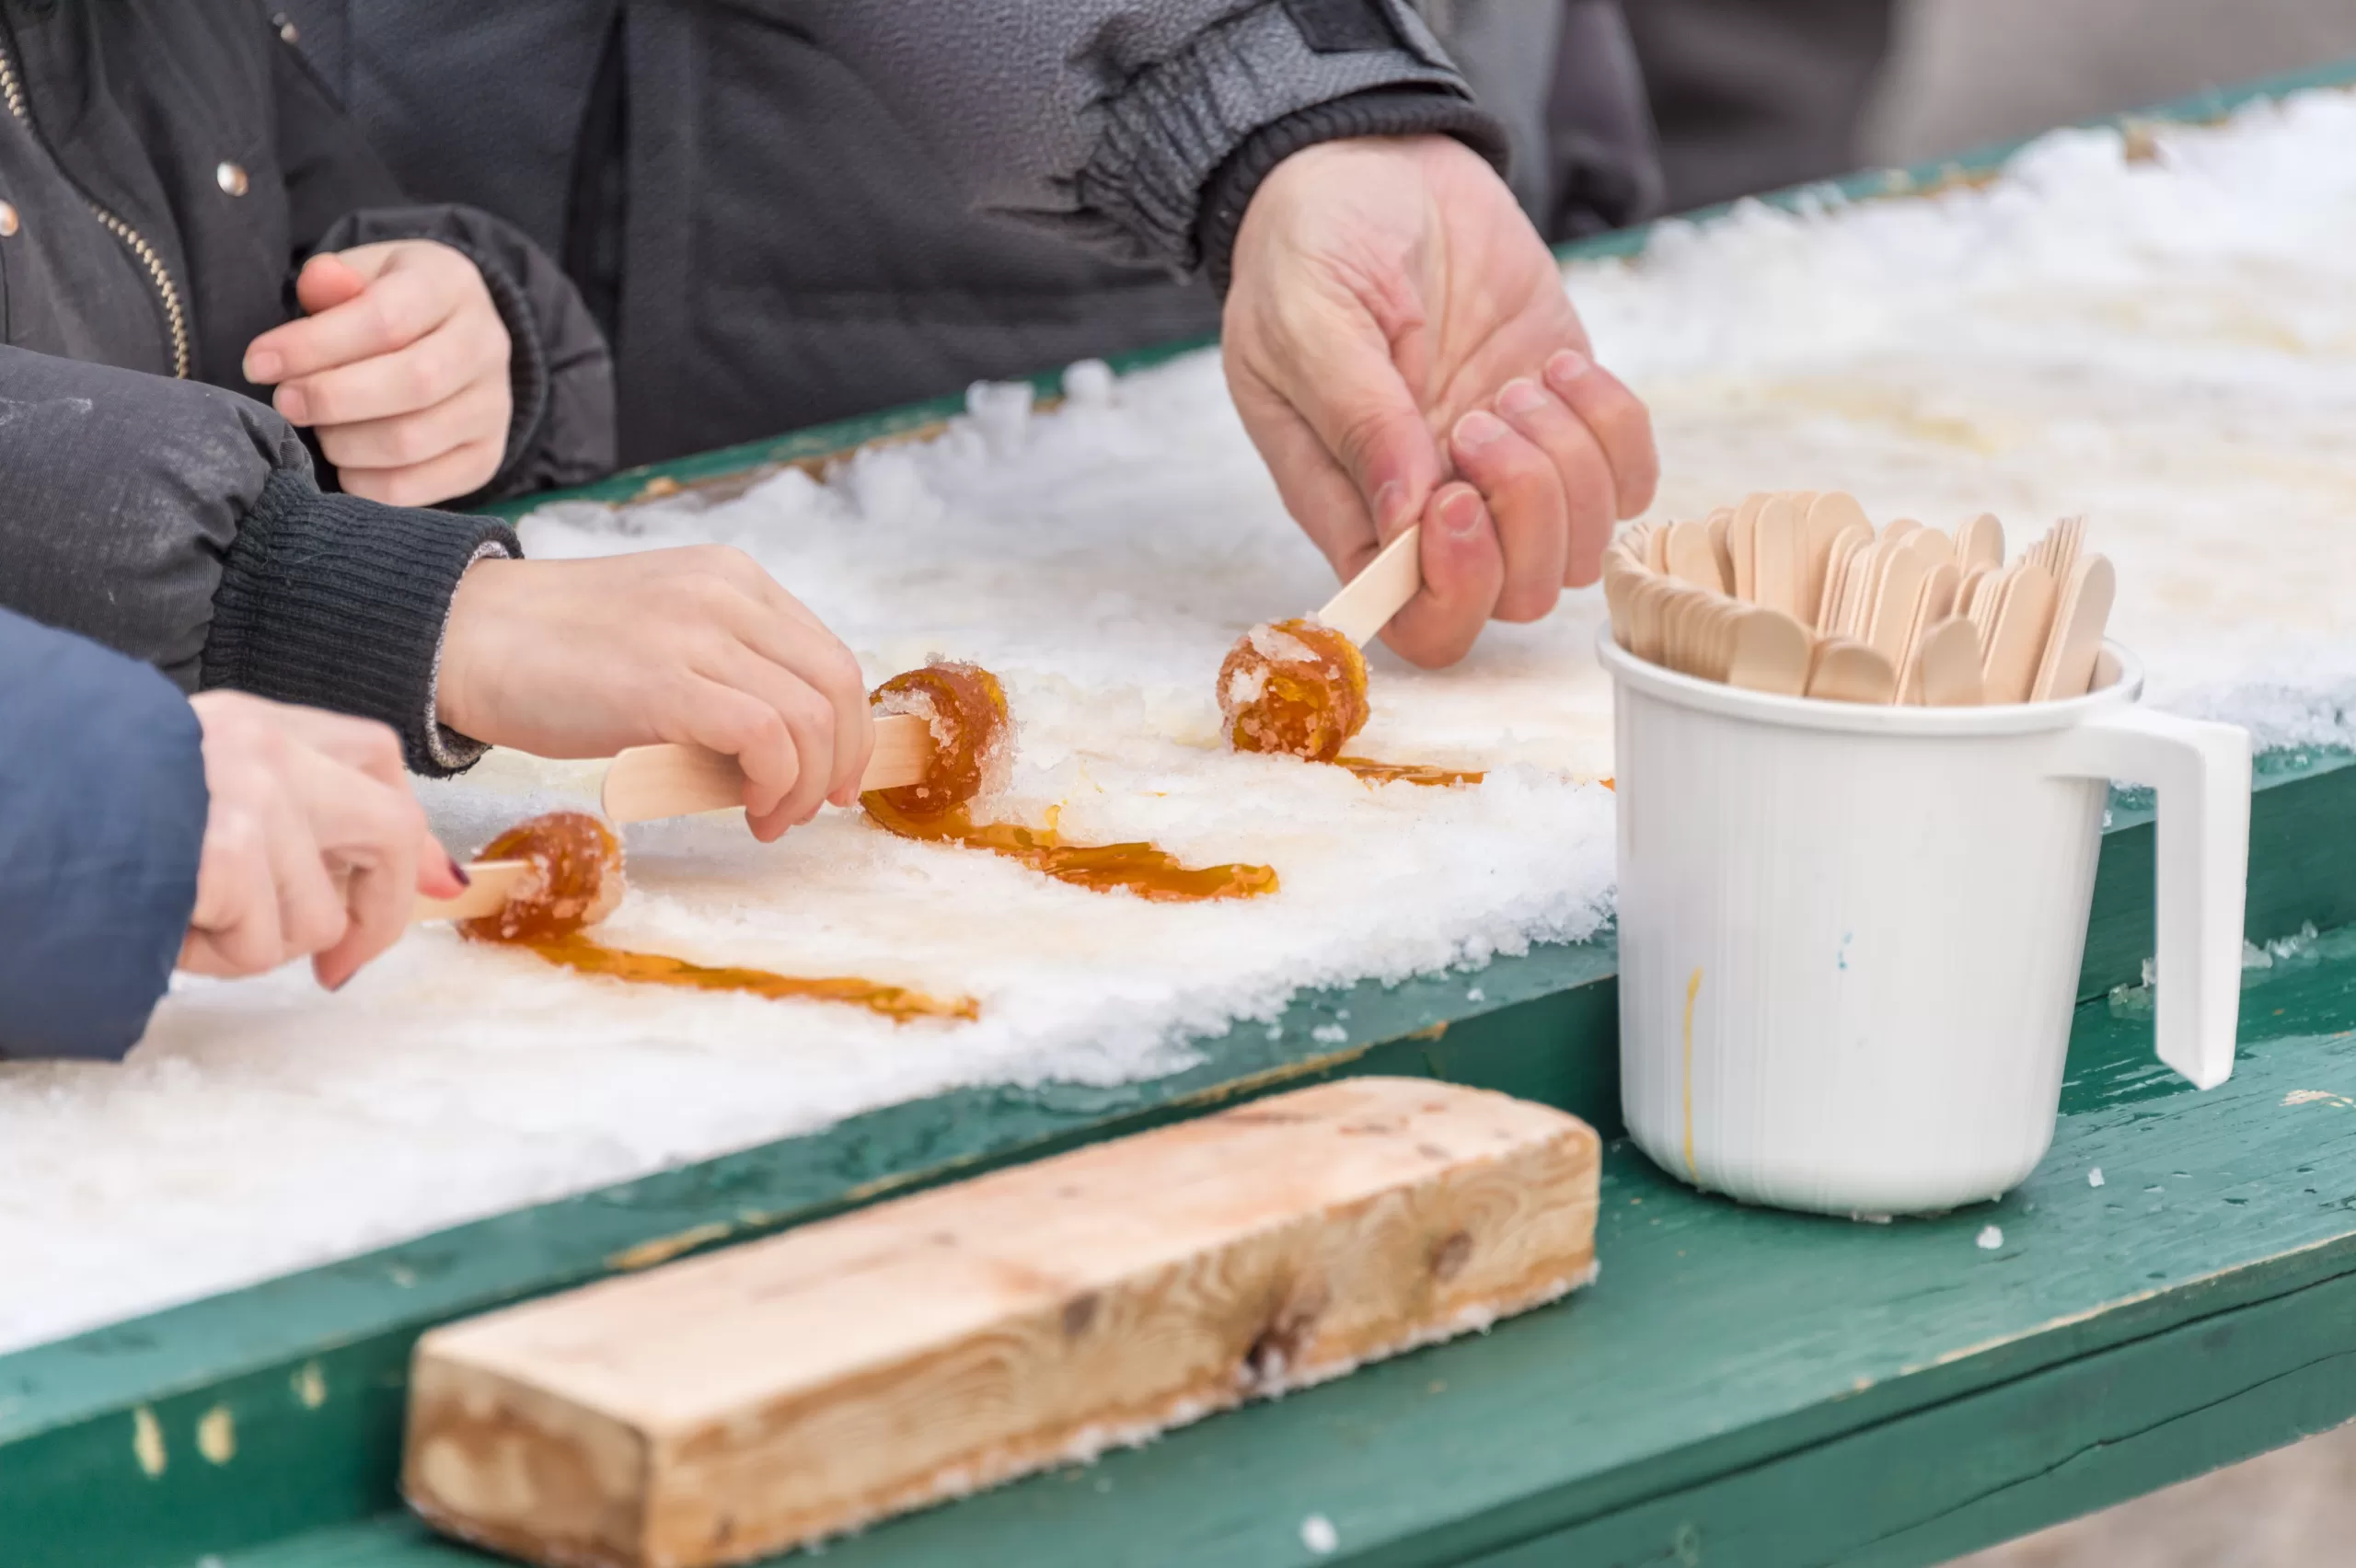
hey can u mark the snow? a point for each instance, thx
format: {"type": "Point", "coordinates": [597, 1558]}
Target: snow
{"type": "Point", "coordinates": [2168, 346]}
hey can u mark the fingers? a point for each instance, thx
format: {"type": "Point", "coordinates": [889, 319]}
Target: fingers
{"type": "Point", "coordinates": [373, 836]}
{"type": "Point", "coordinates": [1583, 476]}
{"type": "Point", "coordinates": [455, 473]}
{"type": "Point", "coordinates": [809, 720]}
{"type": "Point", "coordinates": [821, 679]}
{"type": "Point", "coordinates": [711, 713]}
{"type": "Point", "coordinates": [361, 743]}
{"type": "Point", "coordinates": [421, 435]}
{"type": "Point", "coordinates": [313, 843]}
{"type": "Point", "coordinates": [1621, 426]}
{"type": "Point", "coordinates": [234, 928]}
{"type": "Point", "coordinates": [1525, 500]}
{"type": "Point", "coordinates": [326, 282]}
{"type": "Point", "coordinates": [1340, 375]}
{"type": "Point", "coordinates": [1464, 569]}
{"type": "Point", "coordinates": [311, 916]}
{"type": "Point", "coordinates": [394, 310]}
{"type": "Point", "coordinates": [397, 378]}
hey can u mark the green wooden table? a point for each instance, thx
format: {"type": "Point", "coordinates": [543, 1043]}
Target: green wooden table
{"type": "Point", "coordinates": [1741, 1387]}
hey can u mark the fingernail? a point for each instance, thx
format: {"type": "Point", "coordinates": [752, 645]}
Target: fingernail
{"type": "Point", "coordinates": [1477, 429]}
{"type": "Point", "coordinates": [1390, 506]}
{"type": "Point", "coordinates": [1567, 365]}
{"type": "Point", "coordinates": [1460, 514]}
{"type": "Point", "coordinates": [1521, 397]}
{"type": "Point", "coordinates": [340, 984]}
{"type": "Point", "coordinates": [263, 367]}
{"type": "Point", "coordinates": [292, 405]}
{"type": "Point", "coordinates": [460, 871]}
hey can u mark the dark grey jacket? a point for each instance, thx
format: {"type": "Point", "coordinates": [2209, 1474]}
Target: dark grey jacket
{"type": "Point", "coordinates": [167, 165]}
{"type": "Point", "coordinates": [179, 523]}
{"type": "Point", "coordinates": [788, 211]}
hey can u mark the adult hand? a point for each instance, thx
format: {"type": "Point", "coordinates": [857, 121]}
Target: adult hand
{"type": "Point", "coordinates": [1396, 328]}
{"type": "Point", "coordinates": [400, 364]}
{"type": "Point", "coordinates": [696, 646]}
{"type": "Point", "coordinates": [313, 844]}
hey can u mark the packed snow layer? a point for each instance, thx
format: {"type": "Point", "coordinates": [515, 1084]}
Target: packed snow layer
{"type": "Point", "coordinates": [2169, 346]}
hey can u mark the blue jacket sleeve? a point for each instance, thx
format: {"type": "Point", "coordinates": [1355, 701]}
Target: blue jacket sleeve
{"type": "Point", "coordinates": [102, 808]}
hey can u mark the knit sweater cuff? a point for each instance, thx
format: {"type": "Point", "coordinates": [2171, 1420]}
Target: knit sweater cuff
{"type": "Point", "coordinates": [1391, 112]}
{"type": "Point", "coordinates": [528, 372]}
{"type": "Point", "coordinates": [1164, 132]}
{"type": "Point", "coordinates": [334, 601]}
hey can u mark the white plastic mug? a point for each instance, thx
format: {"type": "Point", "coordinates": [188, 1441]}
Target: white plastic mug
{"type": "Point", "coordinates": [1850, 935]}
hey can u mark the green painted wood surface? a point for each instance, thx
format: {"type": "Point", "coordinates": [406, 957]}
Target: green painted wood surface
{"type": "Point", "coordinates": [1768, 1390]}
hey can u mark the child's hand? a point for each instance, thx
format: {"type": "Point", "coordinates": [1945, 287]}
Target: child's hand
{"type": "Point", "coordinates": [401, 365]}
{"type": "Point", "coordinates": [696, 645]}
{"type": "Point", "coordinates": [313, 844]}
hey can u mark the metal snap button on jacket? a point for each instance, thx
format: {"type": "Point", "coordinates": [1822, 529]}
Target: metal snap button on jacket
{"type": "Point", "coordinates": [7, 219]}
{"type": "Point", "coordinates": [232, 179]}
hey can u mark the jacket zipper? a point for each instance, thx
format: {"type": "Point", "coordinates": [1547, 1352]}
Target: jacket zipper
{"type": "Point", "coordinates": [167, 292]}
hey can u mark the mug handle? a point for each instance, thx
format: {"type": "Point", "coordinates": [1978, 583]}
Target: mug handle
{"type": "Point", "coordinates": [2202, 773]}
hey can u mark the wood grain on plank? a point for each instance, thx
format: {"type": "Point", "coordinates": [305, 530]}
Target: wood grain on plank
{"type": "Point", "coordinates": [735, 1404]}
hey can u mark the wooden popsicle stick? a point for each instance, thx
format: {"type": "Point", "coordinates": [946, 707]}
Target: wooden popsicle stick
{"type": "Point", "coordinates": [1656, 547]}
{"type": "Point", "coordinates": [1981, 542]}
{"type": "Point", "coordinates": [1892, 619]}
{"type": "Point", "coordinates": [1935, 604]}
{"type": "Point", "coordinates": [2017, 644]}
{"type": "Point", "coordinates": [1380, 591]}
{"type": "Point", "coordinates": [1800, 502]}
{"type": "Point", "coordinates": [1624, 554]}
{"type": "Point", "coordinates": [491, 885]}
{"type": "Point", "coordinates": [1726, 617]}
{"type": "Point", "coordinates": [1852, 543]}
{"type": "Point", "coordinates": [1646, 604]}
{"type": "Point", "coordinates": [1968, 589]}
{"type": "Point", "coordinates": [1950, 665]}
{"type": "Point", "coordinates": [1830, 517]}
{"type": "Point", "coordinates": [1690, 557]}
{"type": "Point", "coordinates": [2076, 637]}
{"type": "Point", "coordinates": [1720, 521]}
{"type": "Point", "coordinates": [1771, 654]}
{"type": "Point", "coordinates": [1856, 591]}
{"type": "Point", "coordinates": [1619, 584]}
{"type": "Point", "coordinates": [1777, 569]}
{"type": "Point", "coordinates": [2069, 540]}
{"type": "Point", "coordinates": [1742, 536]}
{"type": "Point", "coordinates": [647, 782]}
{"type": "Point", "coordinates": [1676, 605]}
{"type": "Point", "coordinates": [1888, 549]}
{"type": "Point", "coordinates": [1988, 601]}
{"type": "Point", "coordinates": [1850, 672]}
{"type": "Point", "coordinates": [1930, 545]}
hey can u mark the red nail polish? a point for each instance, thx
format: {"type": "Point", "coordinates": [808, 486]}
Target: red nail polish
{"type": "Point", "coordinates": [460, 871]}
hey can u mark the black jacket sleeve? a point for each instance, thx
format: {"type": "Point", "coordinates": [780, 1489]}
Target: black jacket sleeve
{"type": "Point", "coordinates": [102, 810]}
{"type": "Point", "coordinates": [340, 194]}
{"type": "Point", "coordinates": [179, 523]}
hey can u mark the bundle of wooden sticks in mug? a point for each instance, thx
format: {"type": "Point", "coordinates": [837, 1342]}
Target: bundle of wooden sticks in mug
{"type": "Point", "coordinates": [1796, 592]}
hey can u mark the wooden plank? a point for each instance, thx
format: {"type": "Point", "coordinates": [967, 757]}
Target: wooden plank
{"type": "Point", "coordinates": [798, 1387]}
